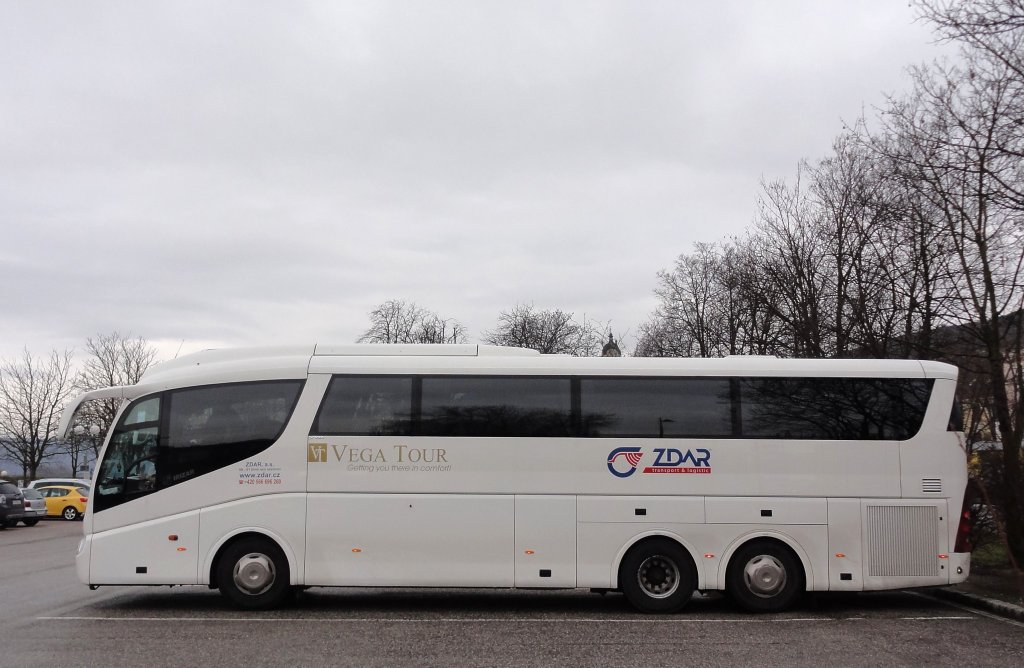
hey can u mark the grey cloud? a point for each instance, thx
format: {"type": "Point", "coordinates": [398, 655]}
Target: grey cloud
{"type": "Point", "coordinates": [242, 172]}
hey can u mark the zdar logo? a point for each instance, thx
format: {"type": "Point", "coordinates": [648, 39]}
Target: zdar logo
{"type": "Point", "coordinates": [632, 458]}
{"type": "Point", "coordinates": [623, 462]}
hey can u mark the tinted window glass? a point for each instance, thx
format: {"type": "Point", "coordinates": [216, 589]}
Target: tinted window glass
{"type": "Point", "coordinates": [833, 408]}
{"type": "Point", "coordinates": [656, 407]}
{"type": "Point", "coordinates": [147, 410]}
{"type": "Point", "coordinates": [496, 406]}
{"type": "Point", "coordinates": [366, 405]}
{"type": "Point", "coordinates": [956, 416]}
{"type": "Point", "coordinates": [211, 427]}
{"type": "Point", "coordinates": [164, 440]}
{"type": "Point", "coordinates": [8, 488]}
{"type": "Point", "coordinates": [132, 450]}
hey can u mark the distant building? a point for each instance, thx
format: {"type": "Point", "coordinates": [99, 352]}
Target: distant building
{"type": "Point", "coordinates": [611, 349]}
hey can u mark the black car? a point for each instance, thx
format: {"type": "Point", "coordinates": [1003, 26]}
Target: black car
{"type": "Point", "coordinates": [12, 505]}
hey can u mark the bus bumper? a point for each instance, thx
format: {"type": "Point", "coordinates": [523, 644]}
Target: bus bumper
{"type": "Point", "coordinates": [959, 566]}
{"type": "Point", "coordinates": [82, 559]}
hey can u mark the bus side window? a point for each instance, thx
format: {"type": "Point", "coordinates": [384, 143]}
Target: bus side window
{"type": "Point", "coordinates": [956, 416]}
{"type": "Point", "coordinates": [366, 406]}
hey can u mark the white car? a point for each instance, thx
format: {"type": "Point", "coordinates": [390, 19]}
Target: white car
{"type": "Point", "coordinates": [73, 482]}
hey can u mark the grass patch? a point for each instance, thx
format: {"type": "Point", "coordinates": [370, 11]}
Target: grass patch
{"type": "Point", "coordinates": [990, 556]}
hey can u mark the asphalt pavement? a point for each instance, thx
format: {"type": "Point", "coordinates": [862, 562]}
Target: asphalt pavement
{"type": "Point", "coordinates": [48, 618]}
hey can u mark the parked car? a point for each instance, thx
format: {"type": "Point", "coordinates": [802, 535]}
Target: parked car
{"type": "Point", "coordinates": [35, 507]}
{"type": "Point", "coordinates": [74, 482]}
{"type": "Point", "coordinates": [12, 504]}
{"type": "Point", "coordinates": [65, 501]}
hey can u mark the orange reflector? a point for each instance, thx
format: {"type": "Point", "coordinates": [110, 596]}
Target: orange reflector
{"type": "Point", "coordinates": [356, 550]}
{"type": "Point", "coordinates": [182, 549]}
{"type": "Point", "coordinates": [530, 552]}
{"type": "Point", "coordinates": [709, 556]}
{"type": "Point", "coordinates": [840, 555]}
{"type": "Point", "coordinates": [943, 556]}
{"type": "Point", "coordinates": [173, 536]}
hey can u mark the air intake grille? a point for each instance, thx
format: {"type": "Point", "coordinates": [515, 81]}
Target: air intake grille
{"type": "Point", "coordinates": [931, 485]}
{"type": "Point", "coordinates": [902, 541]}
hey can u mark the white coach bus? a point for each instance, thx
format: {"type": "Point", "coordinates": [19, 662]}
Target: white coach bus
{"type": "Point", "coordinates": [261, 471]}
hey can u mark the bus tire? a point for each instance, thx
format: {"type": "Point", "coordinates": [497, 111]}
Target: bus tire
{"type": "Point", "coordinates": [657, 576]}
{"type": "Point", "coordinates": [253, 574]}
{"type": "Point", "coordinates": [764, 576]}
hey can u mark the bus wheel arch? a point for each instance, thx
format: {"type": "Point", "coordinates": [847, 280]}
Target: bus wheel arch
{"type": "Point", "coordinates": [252, 570]}
{"type": "Point", "coordinates": [764, 573]}
{"type": "Point", "coordinates": [657, 573]}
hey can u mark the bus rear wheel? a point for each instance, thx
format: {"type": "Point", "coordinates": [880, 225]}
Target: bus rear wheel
{"type": "Point", "coordinates": [253, 574]}
{"type": "Point", "coordinates": [764, 576]}
{"type": "Point", "coordinates": [657, 576]}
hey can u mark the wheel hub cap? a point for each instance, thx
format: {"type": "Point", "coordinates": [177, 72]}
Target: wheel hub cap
{"type": "Point", "coordinates": [254, 574]}
{"type": "Point", "coordinates": [764, 575]}
{"type": "Point", "coordinates": [658, 577]}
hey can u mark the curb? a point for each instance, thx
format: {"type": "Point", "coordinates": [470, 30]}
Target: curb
{"type": "Point", "coordinates": [1001, 608]}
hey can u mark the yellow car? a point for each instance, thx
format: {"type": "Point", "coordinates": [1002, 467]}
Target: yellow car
{"type": "Point", "coordinates": [65, 501]}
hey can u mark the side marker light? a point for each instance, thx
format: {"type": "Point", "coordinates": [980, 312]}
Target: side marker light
{"type": "Point", "coordinates": [840, 555]}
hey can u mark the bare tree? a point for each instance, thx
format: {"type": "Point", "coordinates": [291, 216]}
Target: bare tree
{"type": "Point", "coordinates": [655, 339]}
{"type": "Point", "coordinates": [689, 296]}
{"type": "Point", "coordinates": [399, 321]}
{"type": "Point", "coordinates": [960, 138]}
{"type": "Point", "coordinates": [32, 396]}
{"type": "Point", "coordinates": [435, 329]}
{"type": "Point", "coordinates": [715, 302]}
{"type": "Point", "coordinates": [550, 332]}
{"type": "Point", "coordinates": [995, 27]}
{"type": "Point", "coordinates": [796, 267]}
{"type": "Point", "coordinates": [114, 359]}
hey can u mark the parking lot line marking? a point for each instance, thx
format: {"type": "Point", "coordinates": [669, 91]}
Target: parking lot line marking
{"type": "Point", "coordinates": [933, 618]}
{"type": "Point", "coordinates": [478, 620]}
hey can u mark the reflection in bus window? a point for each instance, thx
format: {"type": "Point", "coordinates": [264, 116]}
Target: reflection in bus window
{"type": "Point", "coordinates": [656, 407]}
{"type": "Point", "coordinates": [370, 405]}
{"type": "Point", "coordinates": [496, 406]}
{"type": "Point", "coordinates": [870, 409]}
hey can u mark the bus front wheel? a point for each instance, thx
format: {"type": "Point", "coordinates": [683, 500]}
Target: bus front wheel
{"type": "Point", "coordinates": [657, 576]}
{"type": "Point", "coordinates": [253, 574]}
{"type": "Point", "coordinates": [764, 576]}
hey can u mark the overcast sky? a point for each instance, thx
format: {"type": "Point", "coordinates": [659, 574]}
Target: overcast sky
{"type": "Point", "coordinates": [237, 173]}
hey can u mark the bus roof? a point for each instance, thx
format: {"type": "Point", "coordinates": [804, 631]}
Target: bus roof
{"type": "Point", "coordinates": [227, 365]}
